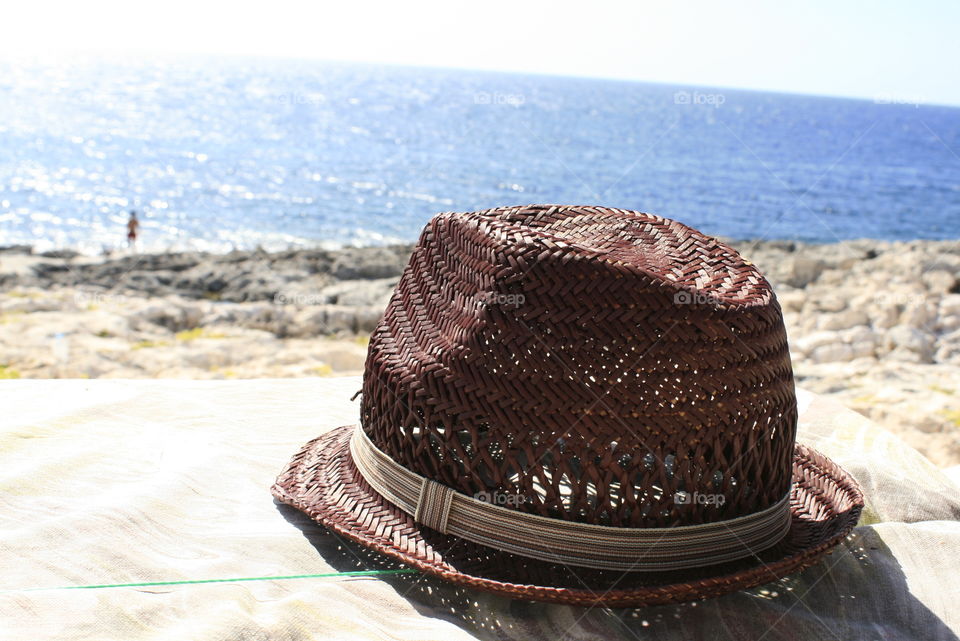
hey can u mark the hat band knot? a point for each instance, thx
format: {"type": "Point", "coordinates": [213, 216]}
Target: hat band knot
{"type": "Point", "coordinates": [604, 547]}
{"type": "Point", "coordinates": [433, 505]}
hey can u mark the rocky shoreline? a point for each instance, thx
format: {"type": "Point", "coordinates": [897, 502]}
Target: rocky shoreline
{"type": "Point", "coordinates": [874, 324]}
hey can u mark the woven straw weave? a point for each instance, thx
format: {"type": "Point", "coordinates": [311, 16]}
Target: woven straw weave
{"type": "Point", "coordinates": [588, 364]}
{"type": "Point", "coordinates": [592, 361]}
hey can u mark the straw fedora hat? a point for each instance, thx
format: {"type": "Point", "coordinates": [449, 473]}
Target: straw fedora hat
{"type": "Point", "coordinates": [581, 405]}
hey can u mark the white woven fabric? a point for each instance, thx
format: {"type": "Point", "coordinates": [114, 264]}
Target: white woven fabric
{"type": "Point", "coordinates": [105, 482]}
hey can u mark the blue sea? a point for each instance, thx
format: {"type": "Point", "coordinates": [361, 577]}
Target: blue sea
{"type": "Point", "coordinates": [217, 153]}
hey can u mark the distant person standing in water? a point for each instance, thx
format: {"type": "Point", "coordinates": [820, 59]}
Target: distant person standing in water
{"type": "Point", "coordinates": [132, 226]}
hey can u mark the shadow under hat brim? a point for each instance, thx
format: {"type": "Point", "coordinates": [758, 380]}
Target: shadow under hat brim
{"type": "Point", "coordinates": [322, 481]}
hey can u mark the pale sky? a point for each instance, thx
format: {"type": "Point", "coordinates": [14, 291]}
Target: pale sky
{"type": "Point", "coordinates": [908, 50]}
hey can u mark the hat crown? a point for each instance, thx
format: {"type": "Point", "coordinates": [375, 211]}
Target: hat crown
{"type": "Point", "coordinates": [585, 363]}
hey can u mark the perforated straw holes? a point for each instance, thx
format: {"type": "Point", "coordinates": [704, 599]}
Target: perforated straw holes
{"type": "Point", "coordinates": [562, 321]}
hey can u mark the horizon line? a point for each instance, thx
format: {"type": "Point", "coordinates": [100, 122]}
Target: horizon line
{"type": "Point", "coordinates": [51, 56]}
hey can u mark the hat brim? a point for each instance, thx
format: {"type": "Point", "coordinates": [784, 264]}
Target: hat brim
{"type": "Point", "coordinates": [322, 481]}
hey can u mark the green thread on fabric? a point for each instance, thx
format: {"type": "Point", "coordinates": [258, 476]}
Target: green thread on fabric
{"type": "Point", "coordinates": [234, 580]}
